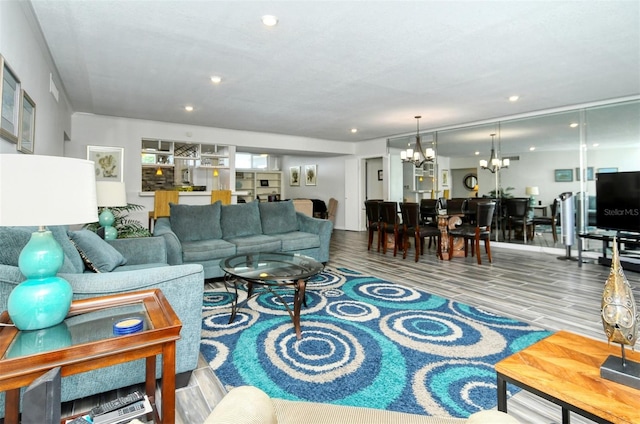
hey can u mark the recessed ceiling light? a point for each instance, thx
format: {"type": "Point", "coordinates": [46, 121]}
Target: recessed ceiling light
{"type": "Point", "coordinates": [188, 108]}
{"type": "Point", "coordinates": [596, 144]}
{"type": "Point", "coordinates": [514, 98]}
{"type": "Point", "coordinates": [573, 125]}
{"type": "Point", "coordinates": [532, 148]}
{"type": "Point", "coordinates": [354, 130]}
{"type": "Point", "coordinates": [269, 20]}
{"type": "Point", "coordinates": [477, 153]}
{"type": "Point", "coordinates": [216, 79]}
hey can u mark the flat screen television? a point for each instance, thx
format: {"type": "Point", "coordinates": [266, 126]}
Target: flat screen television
{"type": "Point", "coordinates": [618, 201]}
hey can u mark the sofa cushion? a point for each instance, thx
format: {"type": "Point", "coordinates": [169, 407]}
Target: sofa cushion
{"type": "Point", "coordinates": [100, 254]}
{"type": "Point", "coordinates": [257, 243]}
{"type": "Point", "coordinates": [196, 222]}
{"type": "Point", "coordinates": [13, 240]}
{"type": "Point", "coordinates": [204, 250]}
{"type": "Point", "coordinates": [242, 219]}
{"type": "Point", "coordinates": [278, 217]}
{"type": "Point", "coordinates": [243, 405]}
{"type": "Point", "coordinates": [298, 240]}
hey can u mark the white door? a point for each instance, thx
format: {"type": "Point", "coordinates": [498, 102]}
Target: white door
{"type": "Point", "coordinates": [352, 208]}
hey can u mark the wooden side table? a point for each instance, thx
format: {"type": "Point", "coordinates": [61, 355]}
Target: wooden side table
{"type": "Point", "coordinates": [22, 361]}
{"type": "Point", "coordinates": [564, 368]}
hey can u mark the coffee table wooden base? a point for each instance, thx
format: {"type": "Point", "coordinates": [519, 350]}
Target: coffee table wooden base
{"type": "Point", "coordinates": [564, 368]}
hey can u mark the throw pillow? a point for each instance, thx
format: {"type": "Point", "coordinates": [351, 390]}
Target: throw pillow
{"type": "Point", "coordinates": [278, 217]}
{"type": "Point", "coordinates": [240, 220]}
{"type": "Point", "coordinates": [100, 254]}
{"type": "Point", "coordinates": [196, 222]}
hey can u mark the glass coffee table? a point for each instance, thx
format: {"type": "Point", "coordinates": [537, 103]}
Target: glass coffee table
{"type": "Point", "coordinates": [271, 271]}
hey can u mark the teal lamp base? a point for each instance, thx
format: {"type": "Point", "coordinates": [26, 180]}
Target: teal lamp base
{"type": "Point", "coordinates": [43, 300]}
{"type": "Point", "coordinates": [106, 220]}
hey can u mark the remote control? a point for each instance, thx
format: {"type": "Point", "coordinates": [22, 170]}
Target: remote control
{"type": "Point", "coordinates": [116, 403]}
{"type": "Point", "coordinates": [122, 414]}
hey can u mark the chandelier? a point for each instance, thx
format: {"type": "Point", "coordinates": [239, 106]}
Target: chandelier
{"type": "Point", "coordinates": [418, 157]}
{"type": "Point", "coordinates": [495, 163]}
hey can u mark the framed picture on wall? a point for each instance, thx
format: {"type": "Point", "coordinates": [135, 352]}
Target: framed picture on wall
{"type": "Point", "coordinates": [27, 124]}
{"type": "Point", "coordinates": [445, 178]}
{"type": "Point", "coordinates": [607, 170]}
{"type": "Point", "coordinates": [10, 94]}
{"type": "Point", "coordinates": [108, 162]}
{"type": "Point", "coordinates": [563, 175]}
{"type": "Point", "coordinates": [310, 175]}
{"type": "Point", "coordinates": [294, 176]}
{"type": "Point", "coordinates": [379, 174]}
{"type": "Point", "coordinates": [588, 171]}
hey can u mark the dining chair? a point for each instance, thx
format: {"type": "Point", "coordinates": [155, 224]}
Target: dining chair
{"type": "Point", "coordinates": [548, 220]}
{"type": "Point", "coordinates": [411, 227]}
{"type": "Point", "coordinates": [471, 207]}
{"type": "Point", "coordinates": [518, 215]}
{"type": "Point", "coordinates": [456, 205]}
{"type": "Point", "coordinates": [429, 211]}
{"type": "Point", "coordinates": [223, 195]}
{"type": "Point", "coordinates": [390, 226]}
{"type": "Point", "coordinates": [481, 230]}
{"type": "Point", "coordinates": [372, 209]}
{"type": "Point", "coordinates": [161, 200]}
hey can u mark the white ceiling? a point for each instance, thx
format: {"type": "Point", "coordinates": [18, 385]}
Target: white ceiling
{"type": "Point", "coordinates": [330, 66]}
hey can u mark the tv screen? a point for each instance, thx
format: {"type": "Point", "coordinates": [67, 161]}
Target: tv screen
{"type": "Point", "coordinates": [618, 201]}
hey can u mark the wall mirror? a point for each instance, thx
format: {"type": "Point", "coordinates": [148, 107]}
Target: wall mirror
{"type": "Point", "coordinates": [583, 140]}
{"type": "Point", "coordinates": [470, 181]}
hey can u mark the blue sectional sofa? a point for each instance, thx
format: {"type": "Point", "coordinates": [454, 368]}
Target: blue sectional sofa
{"type": "Point", "coordinates": [124, 265]}
{"type": "Point", "coordinates": [207, 234]}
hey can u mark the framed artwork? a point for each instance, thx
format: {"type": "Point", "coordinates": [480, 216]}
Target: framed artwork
{"type": "Point", "coordinates": [264, 183]}
{"type": "Point", "coordinates": [445, 178]}
{"type": "Point", "coordinates": [588, 172]}
{"type": "Point", "coordinates": [310, 175]}
{"type": "Point", "coordinates": [108, 162]}
{"type": "Point", "coordinates": [27, 124]}
{"type": "Point", "coordinates": [563, 175]}
{"type": "Point", "coordinates": [379, 174]}
{"type": "Point", "coordinates": [10, 94]}
{"type": "Point", "coordinates": [607, 170]}
{"type": "Point", "coordinates": [294, 175]}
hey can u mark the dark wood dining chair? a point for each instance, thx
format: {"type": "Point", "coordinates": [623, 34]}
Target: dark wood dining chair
{"type": "Point", "coordinates": [518, 215]}
{"type": "Point", "coordinates": [390, 226]}
{"type": "Point", "coordinates": [481, 230]}
{"type": "Point", "coordinates": [429, 211]}
{"type": "Point", "coordinates": [411, 227]}
{"type": "Point", "coordinates": [548, 220]}
{"type": "Point", "coordinates": [372, 208]}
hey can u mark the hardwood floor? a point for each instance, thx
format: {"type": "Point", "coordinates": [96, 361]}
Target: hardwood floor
{"type": "Point", "coordinates": [528, 285]}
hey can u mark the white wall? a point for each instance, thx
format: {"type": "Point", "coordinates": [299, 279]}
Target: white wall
{"type": "Point", "coordinates": [127, 133]}
{"type": "Point", "coordinates": [23, 48]}
{"type": "Point", "coordinates": [329, 182]}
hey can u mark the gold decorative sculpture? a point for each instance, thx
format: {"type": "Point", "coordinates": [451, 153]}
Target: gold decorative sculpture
{"type": "Point", "coordinates": [621, 321]}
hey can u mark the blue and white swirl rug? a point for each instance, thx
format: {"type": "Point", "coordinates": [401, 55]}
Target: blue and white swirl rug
{"type": "Point", "coordinates": [365, 342]}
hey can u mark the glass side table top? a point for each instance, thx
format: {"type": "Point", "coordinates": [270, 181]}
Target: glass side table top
{"type": "Point", "coordinates": [84, 328]}
{"type": "Point", "coordinates": [271, 266]}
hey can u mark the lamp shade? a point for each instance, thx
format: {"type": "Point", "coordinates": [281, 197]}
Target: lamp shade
{"type": "Point", "coordinates": [46, 190]}
{"type": "Point", "coordinates": [532, 191]}
{"type": "Point", "coordinates": [111, 193]}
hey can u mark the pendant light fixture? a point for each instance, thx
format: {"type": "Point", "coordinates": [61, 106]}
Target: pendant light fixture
{"type": "Point", "coordinates": [418, 156]}
{"type": "Point", "coordinates": [495, 163]}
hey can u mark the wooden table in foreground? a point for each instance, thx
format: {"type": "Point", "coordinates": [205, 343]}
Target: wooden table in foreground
{"type": "Point", "coordinates": [564, 368]}
{"type": "Point", "coordinates": [98, 347]}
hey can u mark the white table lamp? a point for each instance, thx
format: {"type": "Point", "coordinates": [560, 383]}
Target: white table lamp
{"type": "Point", "coordinates": [110, 194]}
{"type": "Point", "coordinates": [44, 190]}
